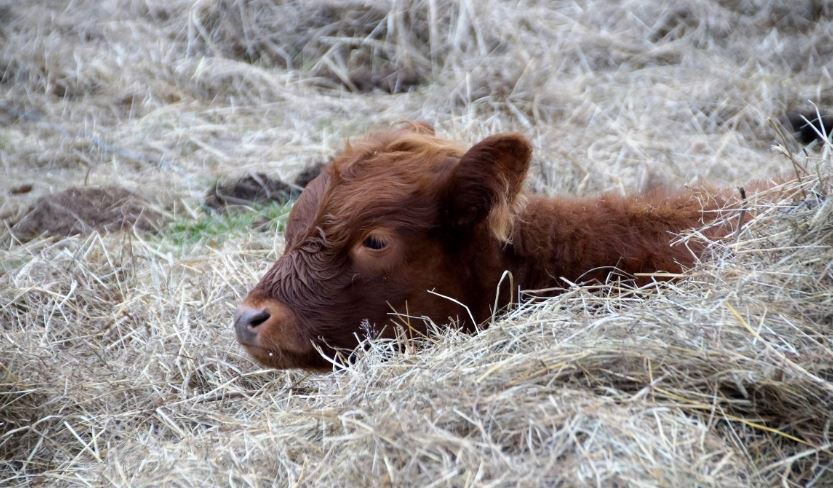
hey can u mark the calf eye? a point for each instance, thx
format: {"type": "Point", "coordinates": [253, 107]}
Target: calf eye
{"type": "Point", "coordinates": [373, 242]}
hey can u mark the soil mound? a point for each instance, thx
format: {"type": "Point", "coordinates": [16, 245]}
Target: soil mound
{"type": "Point", "coordinates": [248, 190]}
{"type": "Point", "coordinates": [809, 125]}
{"type": "Point", "coordinates": [308, 174]}
{"type": "Point", "coordinates": [79, 210]}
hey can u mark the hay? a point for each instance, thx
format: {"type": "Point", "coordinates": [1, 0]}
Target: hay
{"type": "Point", "coordinates": [117, 360]}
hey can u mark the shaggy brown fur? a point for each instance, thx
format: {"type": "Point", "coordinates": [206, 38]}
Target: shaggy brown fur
{"type": "Point", "coordinates": [402, 213]}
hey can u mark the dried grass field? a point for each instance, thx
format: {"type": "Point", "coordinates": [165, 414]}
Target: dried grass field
{"type": "Point", "coordinates": [118, 364]}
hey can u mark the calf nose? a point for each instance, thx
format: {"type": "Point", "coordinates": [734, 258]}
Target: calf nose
{"type": "Point", "coordinates": [246, 321]}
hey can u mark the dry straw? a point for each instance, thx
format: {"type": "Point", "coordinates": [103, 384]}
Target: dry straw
{"type": "Point", "coordinates": [117, 361]}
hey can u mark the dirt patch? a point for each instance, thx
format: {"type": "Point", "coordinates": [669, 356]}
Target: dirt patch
{"type": "Point", "coordinates": [795, 16]}
{"type": "Point", "coordinates": [308, 174]}
{"type": "Point", "coordinates": [809, 125]}
{"type": "Point", "coordinates": [248, 190]}
{"type": "Point", "coordinates": [80, 210]}
{"type": "Point", "coordinates": [258, 188]}
{"type": "Point", "coordinates": [21, 189]}
{"type": "Point", "coordinates": [389, 80]}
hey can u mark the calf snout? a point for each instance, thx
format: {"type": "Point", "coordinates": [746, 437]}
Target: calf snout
{"type": "Point", "coordinates": [246, 323]}
{"type": "Point", "coordinates": [269, 330]}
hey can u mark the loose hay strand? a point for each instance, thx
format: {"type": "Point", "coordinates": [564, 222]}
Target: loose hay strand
{"type": "Point", "coordinates": [821, 382]}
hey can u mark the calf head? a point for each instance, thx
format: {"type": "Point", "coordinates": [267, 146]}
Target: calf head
{"type": "Point", "coordinates": [398, 225]}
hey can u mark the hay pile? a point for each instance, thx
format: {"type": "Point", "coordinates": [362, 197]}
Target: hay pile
{"type": "Point", "coordinates": [117, 360]}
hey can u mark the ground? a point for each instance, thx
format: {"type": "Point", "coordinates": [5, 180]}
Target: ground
{"type": "Point", "coordinates": [118, 363]}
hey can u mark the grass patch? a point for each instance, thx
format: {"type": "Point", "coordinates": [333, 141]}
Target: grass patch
{"type": "Point", "coordinates": [214, 228]}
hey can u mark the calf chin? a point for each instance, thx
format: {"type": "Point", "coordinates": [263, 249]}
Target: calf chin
{"type": "Point", "coordinates": [280, 359]}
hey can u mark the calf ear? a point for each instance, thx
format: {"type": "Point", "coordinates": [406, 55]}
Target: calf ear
{"type": "Point", "coordinates": [486, 183]}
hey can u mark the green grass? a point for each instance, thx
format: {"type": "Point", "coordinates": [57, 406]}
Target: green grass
{"type": "Point", "coordinates": [213, 228]}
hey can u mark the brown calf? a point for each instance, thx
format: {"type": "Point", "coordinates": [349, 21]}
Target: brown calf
{"type": "Point", "coordinates": [403, 221]}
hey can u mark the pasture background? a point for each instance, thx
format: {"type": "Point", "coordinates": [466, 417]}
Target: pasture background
{"type": "Point", "coordinates": [118, 364]}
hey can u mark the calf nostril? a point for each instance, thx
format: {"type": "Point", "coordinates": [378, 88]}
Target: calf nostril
{"type": "Point", "coordinates": [247, 319]}
{"type": "Point", "coordinates": [258, 318]}
{"type": "Point", "coordinates": [246, 322]}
